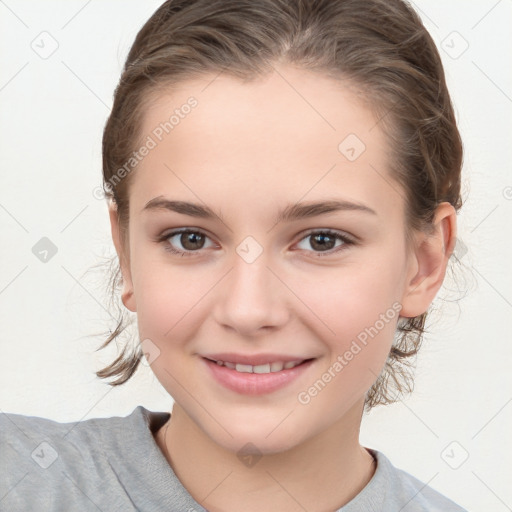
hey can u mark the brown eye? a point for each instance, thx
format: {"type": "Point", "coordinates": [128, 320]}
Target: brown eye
{"type": "Point", "coordinates": [184, 242]}
{"type": "Point", "coordinates": [325, 241]}
{"type": "Point", "coordinates": [322, 242]}
{"type": "Point", "coordinates": [192, 240]}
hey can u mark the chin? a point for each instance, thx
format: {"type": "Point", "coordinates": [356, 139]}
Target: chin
{"type": "Point", "coordinates": [257, 437]}
{"type": "Point", "coordinates": [258, 445]}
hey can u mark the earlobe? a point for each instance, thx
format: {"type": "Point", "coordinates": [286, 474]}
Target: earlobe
{"type": "Point", "coordinates": [429, 262]}
{"type": "Point", "coordinates": [127, 295]}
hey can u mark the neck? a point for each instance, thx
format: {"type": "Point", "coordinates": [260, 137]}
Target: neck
{"type": "Point", "coordinates": [324, 473]}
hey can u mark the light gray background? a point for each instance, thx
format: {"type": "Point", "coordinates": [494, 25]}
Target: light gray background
{"type": "Point", "coordinates": [51, 118]}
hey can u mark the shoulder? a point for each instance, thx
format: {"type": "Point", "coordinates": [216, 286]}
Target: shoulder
{"type": "Point", "coordinates": [45, 461]}
{"type": "Point", "coordinates": [393, 489]}
{"type": "Point", "coordinates": [44, 441]}
{"type": "Point", "coordinates": [409, 493]}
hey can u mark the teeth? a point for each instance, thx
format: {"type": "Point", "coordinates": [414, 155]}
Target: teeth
{"type": "Point", "coordinates": [261, 368]}
{"type": "Point", "coordinates": [276, 366]}
{"type": "Point", "coordinates": [244, 368]}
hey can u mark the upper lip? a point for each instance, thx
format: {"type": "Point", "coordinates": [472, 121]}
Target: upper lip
{"type": "Point", "coordinates": [254, 359]}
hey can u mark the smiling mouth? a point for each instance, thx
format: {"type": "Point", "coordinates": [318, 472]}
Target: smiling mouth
{"type": "Point", "coordinates": [273, 367]}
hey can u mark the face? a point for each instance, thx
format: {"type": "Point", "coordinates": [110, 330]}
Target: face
{"type": "Point", "coordinates": [227, 259]}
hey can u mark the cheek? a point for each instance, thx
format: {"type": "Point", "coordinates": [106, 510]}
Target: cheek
{"type": "Point", "coordinates": [363, 326]}
{"type": "Point", "coordinates": [341, 303]}
{"type": "Point", "coordinates": [169, 299]}
{"type": "Point", "coordinates": [355, 314]}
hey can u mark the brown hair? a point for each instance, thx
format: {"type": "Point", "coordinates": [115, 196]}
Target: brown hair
{"type": "Point", "coordinates": [380, 46]}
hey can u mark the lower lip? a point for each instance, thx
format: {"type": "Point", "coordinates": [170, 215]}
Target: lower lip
{"type": "Point", "coordinates": [255, 383]}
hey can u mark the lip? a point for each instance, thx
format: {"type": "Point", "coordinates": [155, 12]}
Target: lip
{"type": "Point", "coordinates": [255, 383]}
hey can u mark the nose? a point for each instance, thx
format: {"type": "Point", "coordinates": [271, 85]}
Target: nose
{"type": "Point", "coordinates": [251, 299]}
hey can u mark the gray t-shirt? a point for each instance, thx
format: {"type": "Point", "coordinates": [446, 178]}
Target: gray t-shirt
{"type": "Point", "coordinates": [114, 464]}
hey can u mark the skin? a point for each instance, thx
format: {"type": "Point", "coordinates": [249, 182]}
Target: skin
{"type": "Point", "coordinates": [246, 151]}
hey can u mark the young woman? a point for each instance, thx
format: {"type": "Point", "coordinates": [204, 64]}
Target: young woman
{"type": "Point", "coordinates": [283, 179]}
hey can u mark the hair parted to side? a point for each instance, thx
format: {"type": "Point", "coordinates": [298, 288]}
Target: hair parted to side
{"type": "Point", "coordinates": [380, 47]}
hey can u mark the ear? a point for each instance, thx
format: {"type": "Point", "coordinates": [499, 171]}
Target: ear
{"type": "Point", "coordinates": [127, 295]}
{"type": "Point", "coordinates": [429, 262]}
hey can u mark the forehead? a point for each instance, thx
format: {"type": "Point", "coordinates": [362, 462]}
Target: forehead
{"type": "Point", "coordinates": [291, 132]}
{"type": "Point", "coordinates": [283, 109]}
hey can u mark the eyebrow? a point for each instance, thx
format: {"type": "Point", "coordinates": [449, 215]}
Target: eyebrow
{"type": "Point", "coordinates": [290, 213]}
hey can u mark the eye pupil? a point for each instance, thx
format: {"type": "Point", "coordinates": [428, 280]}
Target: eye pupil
{"type": "Point", "coordinates": [322, 241]}
{"type": "Point", "coordinates": [188, 240]}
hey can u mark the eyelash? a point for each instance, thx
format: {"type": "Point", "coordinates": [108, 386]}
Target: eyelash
{"type": "Point", "coordinates": [347, 241]}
